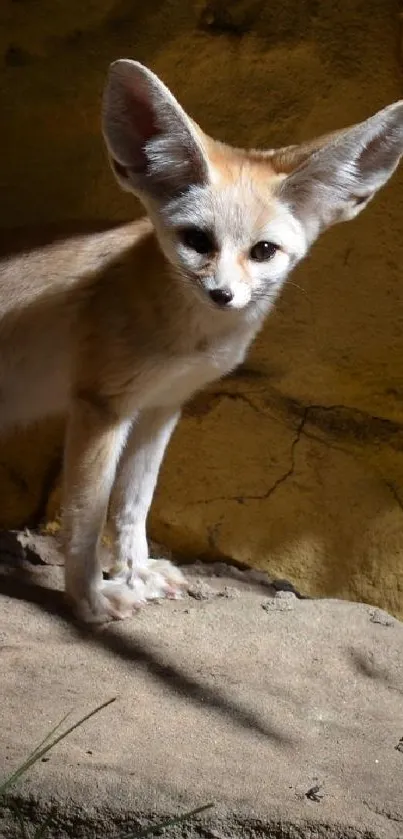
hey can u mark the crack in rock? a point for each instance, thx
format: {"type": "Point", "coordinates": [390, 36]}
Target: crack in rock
{"type": "Point", "coordinates": [349, 419]}
{"type": "Point", "coordinates": [240, 499]}
{"type": "Point", "coordinates": [392, 489]}
{"type": "Point", "coordinates": [354, 424]}
{"type": "Point", "coordinates": [290, 471]}
{"type": "Point", "coordinates": [337, 420]}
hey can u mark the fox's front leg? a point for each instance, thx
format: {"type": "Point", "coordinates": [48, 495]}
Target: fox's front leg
{"type": "Point", "coordinates": [130, 502]}
{"type": "Point", "coordinates": [93, 444]}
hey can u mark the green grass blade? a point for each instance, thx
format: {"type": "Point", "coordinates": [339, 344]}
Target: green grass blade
{"type": "Point", "coordinates": [39, 752]}
{"type": "Point", "coordinates": [155, 828]}
{"type": "Point", "coordinates": [51, 734]}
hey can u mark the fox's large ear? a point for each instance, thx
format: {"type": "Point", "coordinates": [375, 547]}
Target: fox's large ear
{"type": "Point", "coordinates": [153, 146]}
{"type": "Point", "coordinates": [333, 178]}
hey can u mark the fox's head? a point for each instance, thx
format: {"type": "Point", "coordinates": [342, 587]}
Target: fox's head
{"type": "Point", "coordinates": [235, 222]}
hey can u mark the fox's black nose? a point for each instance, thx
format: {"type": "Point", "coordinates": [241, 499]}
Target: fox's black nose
{"type": "Point", "coordinates": [221, 296]}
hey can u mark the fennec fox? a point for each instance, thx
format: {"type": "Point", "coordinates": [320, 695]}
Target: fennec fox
{"type": "Point", "coordinates": [118, 329]}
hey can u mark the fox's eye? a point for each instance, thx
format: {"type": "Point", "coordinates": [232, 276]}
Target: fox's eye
{"type": "Point", "coordinates": [263, 251]}
{"type": "Point", "coordinates": [197, 239]}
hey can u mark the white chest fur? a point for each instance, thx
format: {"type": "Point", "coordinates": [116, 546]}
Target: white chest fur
{"type": "Point", "coordinates": [174, 380]}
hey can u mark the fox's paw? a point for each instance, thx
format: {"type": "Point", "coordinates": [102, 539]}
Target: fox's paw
{"type": "Point", "coordinates": [160, 579]}
{"type": "Point", "coordinates": [113, 601]}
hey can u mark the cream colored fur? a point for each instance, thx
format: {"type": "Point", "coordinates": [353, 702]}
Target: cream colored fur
{"type": "Point", "coordinates": [118, 328]}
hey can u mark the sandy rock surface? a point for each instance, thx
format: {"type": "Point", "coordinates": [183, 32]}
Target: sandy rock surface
{"type": "Point", "coordinates": [287, 713]}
